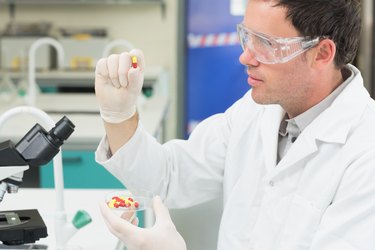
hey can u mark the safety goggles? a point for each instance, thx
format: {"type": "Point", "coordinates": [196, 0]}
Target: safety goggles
{"type": "Point", "coordinates": [272, 50]}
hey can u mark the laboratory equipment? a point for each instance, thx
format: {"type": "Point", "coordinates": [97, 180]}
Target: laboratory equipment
{"type": "Point", "coordinates": [17, 39]}
{"type": "Point", "coordinates": [36, 148]}
{"type": "Point", "coordinates": [8, 91]}
{"type": "Point", "coordinates": [16, 48]}
{"type": "Point", "coordinates": [64, 230]}
{"type": "Point", "coordinates": [33, 89]}
{"type": "Point", "coordinates": [83, 47]}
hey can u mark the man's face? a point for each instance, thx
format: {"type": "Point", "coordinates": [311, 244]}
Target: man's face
{"type": "Point", "coordinates": [287, 83]}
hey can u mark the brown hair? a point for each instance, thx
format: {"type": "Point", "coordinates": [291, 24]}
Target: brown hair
{"type": "Point", "coordinates": [339, 20]}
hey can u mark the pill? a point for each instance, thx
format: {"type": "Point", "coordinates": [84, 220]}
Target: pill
{"type": "Point", "coordinates": [134, 62]}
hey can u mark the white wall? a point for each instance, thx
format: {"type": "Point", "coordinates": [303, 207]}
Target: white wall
{"type": "Point", "coordinates": [142, 24]}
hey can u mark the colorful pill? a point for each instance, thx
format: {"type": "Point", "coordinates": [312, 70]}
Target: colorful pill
{"type": "Point", "coordinates": [134, 62]}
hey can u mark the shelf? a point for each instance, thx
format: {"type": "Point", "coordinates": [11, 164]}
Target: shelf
{"type": "Point", "coordinates": [84, 2]}
{"type": "Point", "coordinates": [153, 75]}
{"type": "Point", "coordinates": [76, 2]}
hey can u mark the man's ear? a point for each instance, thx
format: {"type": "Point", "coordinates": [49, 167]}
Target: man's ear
{"type": "Point", "coordinates": [325, 53]}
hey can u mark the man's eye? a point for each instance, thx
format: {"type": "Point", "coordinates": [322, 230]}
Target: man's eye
{"type": "Point", "coordinates": [262, 42]}
{"type": "Point", "coordinates": [266, 42]}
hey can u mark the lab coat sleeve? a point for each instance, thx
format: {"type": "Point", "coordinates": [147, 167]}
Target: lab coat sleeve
{"type": "Point", "coordinates": [183, 172]}
{"type": "Point", "coordinates": [133, 164]}
{"type": "Point", "coordinates": [349, 222]}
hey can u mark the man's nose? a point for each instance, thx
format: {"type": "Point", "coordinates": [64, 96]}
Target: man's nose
{"type": "Point", "coordinates": [248, 57]}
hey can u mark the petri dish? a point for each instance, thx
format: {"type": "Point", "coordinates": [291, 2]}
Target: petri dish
{"type": "Point", "coordinates": [124, 201]}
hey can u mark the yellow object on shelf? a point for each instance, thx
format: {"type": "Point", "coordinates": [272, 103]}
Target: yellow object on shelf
{"type": "Point", "coordinates": [82, 36]}
{"type": "Point", "coordinates": [82, 62]}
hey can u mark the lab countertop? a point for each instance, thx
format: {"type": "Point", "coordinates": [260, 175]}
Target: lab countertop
{"type": "Point", "coordinates": [94, 236]}
{"type": "Point", "coordinates": [83, 111]}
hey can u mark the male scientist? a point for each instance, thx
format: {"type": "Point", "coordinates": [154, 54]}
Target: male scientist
{"type": "Point", "coordinates": [294, 158]}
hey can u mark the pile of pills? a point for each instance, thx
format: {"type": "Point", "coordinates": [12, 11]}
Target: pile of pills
{"type": "Point", "coordinates": [122, 202]}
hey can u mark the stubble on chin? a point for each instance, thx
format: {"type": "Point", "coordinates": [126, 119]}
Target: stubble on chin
{"type": "Point", "coordinates": [262, 98]}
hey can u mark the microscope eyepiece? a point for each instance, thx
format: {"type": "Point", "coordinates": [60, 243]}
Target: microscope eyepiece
{"type": "Point", "coordinates": [38, 146]}
{"type": "Point", "coordinates": [63, 129]}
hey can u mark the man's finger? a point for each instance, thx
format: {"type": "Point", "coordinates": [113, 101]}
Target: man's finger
{"type": "Point", "coordinates": [161, 211]}
{"type": "Point", "coordinates": [114, 221]}
{"type": "Point", "coordinates": [123, 69]}
{"type": "Point", "coordinates": [128, 215]}
{"type": "Point", "coordinates": [135, 77]}
{"type": "Point", "coordinates": [113, 65]}
{"type": "Point", "coordinates": [101, 68]}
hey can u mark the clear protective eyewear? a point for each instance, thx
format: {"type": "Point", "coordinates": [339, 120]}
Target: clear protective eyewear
{"type": "Point", "coordinates": [273, 50]}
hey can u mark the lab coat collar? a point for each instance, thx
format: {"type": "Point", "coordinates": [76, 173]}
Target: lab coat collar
{"type": "Point", "coordinates": [346, 110]}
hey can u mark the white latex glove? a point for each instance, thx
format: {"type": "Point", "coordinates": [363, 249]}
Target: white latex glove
{"type": "Point", "coordinates": [118, 84]}
{"type": "Point", "coordinates": [162, 235]}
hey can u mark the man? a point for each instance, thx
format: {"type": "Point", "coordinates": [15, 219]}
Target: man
{"type": "Point", "coordinates": [294, 157]}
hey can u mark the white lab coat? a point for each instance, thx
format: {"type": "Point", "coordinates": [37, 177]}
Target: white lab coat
{"type": "Point", "coordinates": [320, 196]}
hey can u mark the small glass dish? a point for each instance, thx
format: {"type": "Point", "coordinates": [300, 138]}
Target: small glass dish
{"type": "Point", "coordinates": [125, 201]}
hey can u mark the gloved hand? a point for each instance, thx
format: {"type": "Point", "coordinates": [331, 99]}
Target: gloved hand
{"type": "Point", "coordinates": [118, 84]}
{"type": "Point", "coordinates": [162, 235]}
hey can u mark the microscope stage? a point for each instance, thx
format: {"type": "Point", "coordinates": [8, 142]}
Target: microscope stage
{"type": "Point", "coordinates": [19, 227]}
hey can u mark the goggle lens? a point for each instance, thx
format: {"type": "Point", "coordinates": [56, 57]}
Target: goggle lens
{"type": "Point", "coordinates": [270, 50]}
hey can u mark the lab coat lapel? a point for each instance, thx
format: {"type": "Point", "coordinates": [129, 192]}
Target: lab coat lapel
{"type": "Point", "coordinates": [269, 133]}
{"type": "Point", "coordinates": [302, 148]}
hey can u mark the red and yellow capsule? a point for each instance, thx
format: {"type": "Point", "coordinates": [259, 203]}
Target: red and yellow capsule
{"type": "Point", "coordinates": [134, 62]}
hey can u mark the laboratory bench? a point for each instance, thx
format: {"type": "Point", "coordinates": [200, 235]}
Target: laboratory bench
{"type": "Point", "coordinates": [94, 236]}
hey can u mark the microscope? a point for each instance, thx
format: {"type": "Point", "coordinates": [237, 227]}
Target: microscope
{"type": "Point", "coordinates": [36, 148]}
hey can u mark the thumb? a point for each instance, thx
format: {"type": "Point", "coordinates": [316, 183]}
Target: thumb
{"type": "Point", "coordinates": [161, 211]}
{"type": "Point", "coordinates": [121, 228]}
{"type": "Point", "coordinates": [136, 75]}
